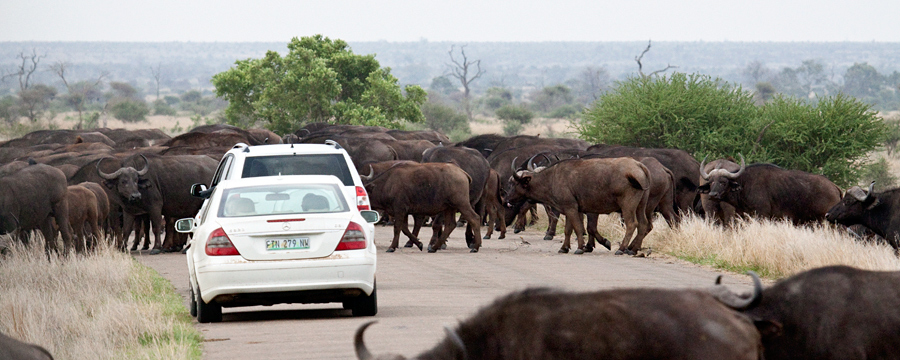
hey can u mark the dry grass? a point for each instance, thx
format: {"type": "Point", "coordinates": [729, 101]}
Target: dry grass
{"type": "Point", "coordinates": [99, 306]}
{"type": "Point", "coordinates": [772, 249]}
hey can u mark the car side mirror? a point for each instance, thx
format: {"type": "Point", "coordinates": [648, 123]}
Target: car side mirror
{"type": "Point", "coordinates": [185, 225]}
{"type": "Point", "coordinates": [200, 191]}
{"type": "Point", "coordinates": [371, 216]}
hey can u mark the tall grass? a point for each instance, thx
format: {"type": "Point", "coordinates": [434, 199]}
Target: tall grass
{"type": "Point", "coordinates": [774, 249]}
{"type": "Point", "coordinates": [103, 305]}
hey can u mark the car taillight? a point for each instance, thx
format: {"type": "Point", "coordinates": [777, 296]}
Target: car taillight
{"type": "Point", "coordinates": [362, 199]}
{"type": "Point", "coordinates": [219, 244]}
{"type": "Point", "coordinates": [354, 238]}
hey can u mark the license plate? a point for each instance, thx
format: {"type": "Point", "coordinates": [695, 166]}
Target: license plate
{"type": "Point", "coordinates": [287, 244]}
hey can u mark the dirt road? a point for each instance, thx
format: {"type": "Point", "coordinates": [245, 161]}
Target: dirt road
{"type": "Point", "coordinates": [419, 293]}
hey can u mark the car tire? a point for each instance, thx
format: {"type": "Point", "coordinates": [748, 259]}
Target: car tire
{"type": "Point", "coordinates": [366, 305]}
{"type": "Point", "coordinates": [207, 313]}
{"type": "Point", "coordinates": [193, 303]}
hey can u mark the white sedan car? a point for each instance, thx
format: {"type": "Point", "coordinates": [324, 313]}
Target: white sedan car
{"type": "Point", "coordinates": [281, 239]}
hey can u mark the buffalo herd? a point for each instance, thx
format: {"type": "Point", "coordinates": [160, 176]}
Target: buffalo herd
{"type": "Point", "coordinates": [81, 184]}
{"type": "Point", "coordinates": [87, 186]}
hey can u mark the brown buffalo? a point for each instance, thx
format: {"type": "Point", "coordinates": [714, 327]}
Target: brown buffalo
{"type": "Point", "coordinates": [599, 186]}
{"type": "Point", "coordinates": [83, 211]}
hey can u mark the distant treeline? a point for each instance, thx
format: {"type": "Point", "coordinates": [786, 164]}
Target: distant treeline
{"type": "Point", "coordinates": [189, 65]}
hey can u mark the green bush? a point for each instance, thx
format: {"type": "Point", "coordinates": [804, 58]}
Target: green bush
{"type": "Point", "coordinates": [130, 110]}
{"type": "Point", "coordinates": [514, 117]}
{"type": "Point", "coordinates": [444, 118]}
{"type": "Point", "coordinates": [879, 172]}
{"type": "Point", "coordinates": [708, 117]}
{"type": "Point", "coordinates": [565, 111]}
{"type": "Point", "coordinates": [830, 138]}
{"type": "Point", "coordinates": [161, 107]}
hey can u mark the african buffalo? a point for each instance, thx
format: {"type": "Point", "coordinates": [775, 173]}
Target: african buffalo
{"type": "Point", "coordinates": [494, 210]}
{"type": "Point", "coordinates": [475, 165]}
{"type": "Point", "coordinates": [160, 188]}
{"type": "Point", "coordinates": [879, 212]}
{"type": "Point", "coordinates": [830, 313]}
{"type": "Point", "coordinates": [683, 166]}
{"type": "Point", "coordinates": [32, 198]}
{"type": "Point", "coordinates": [618, 324]}
{"type": "Point", "coordinates": [485, 143]}
{"type": "Point", "coordinates": [770, 192]}
{"type": "Point", "coordinates": [12, 349]}
{"type": "Point", "coordinates": [424, 189]}
{"type": "Point", "coordinates": [599, 186]}
{"type": "Point", "coordinates": [102, 204]}
{"type": "Point", "coordinates": [83, 210]}
{"type": "Point", "coordinates": [720, 212]}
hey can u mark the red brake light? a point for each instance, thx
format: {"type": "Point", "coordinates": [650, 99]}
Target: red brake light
{"type": "Point", "coordinates": [362, 199]}
{"type": "Point", "coordinates": [354, 238]}
{"type": "Point", "coordinates": [219, 244]}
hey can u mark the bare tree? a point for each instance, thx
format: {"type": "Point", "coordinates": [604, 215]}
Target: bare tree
{"type": "Point", "coordinates": [79, 92]}
{"type": "Point", "coordinates": [26, 69]}
{"type": "Point", "coordinates": [156, 75]}
{"type": "Point", "coordinates": [461, 71]}
{"type": "Point", "coordinates": [757, 72]}
{"type": "Point", "coordinates": [641, 66]}
{"type": "Point", "coordinates": [594, 79]}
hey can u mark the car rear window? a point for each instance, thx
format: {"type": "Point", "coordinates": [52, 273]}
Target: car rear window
{"type": "Point", "coordinates": [282, 199]}
{"type": "Point", "coordinates": [309, 164]}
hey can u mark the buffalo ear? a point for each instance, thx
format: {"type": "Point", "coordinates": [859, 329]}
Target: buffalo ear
{"type": "Point", "coordinates": [768, 328]}
{"type": "Point", "coordinates": [525, 180]}
{"type": "Point", "coordinates": [143, 183]}
{"type": "Point", "coordinates": [735, 186]}
{"type": "Point", "coordinates": [703, 189]}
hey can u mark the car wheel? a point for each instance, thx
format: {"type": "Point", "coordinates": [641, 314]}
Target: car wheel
{"type": "Point", "coordinates": [366, 305]}
{"type": "Point", "coordinates": [207, 313]}
{"type": "Point", "coordinates": [193, 303]}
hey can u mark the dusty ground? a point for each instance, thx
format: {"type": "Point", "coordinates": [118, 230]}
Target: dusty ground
{"type": "Point", "coordinates": [419, 293]}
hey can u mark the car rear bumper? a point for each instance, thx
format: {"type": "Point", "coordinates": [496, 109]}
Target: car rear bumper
{"type": "Point", "coordinates": [234, 281]}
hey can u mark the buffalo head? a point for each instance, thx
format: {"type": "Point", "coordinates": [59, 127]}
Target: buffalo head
{"type": "Point", "coordinates": [721, 181]}
{"type": "Point", "coordinates": [126, 181]}
{"type": "Point", "coordinates": [455, 345]}
{"type": "Point", "coordinates": [853, 206]}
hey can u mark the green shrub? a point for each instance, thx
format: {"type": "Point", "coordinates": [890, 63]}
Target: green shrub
{"type": "Point", "coordinates": [831, 137]}
{"type": "Point", "coordinates": [565, 111]}
{"type": "Point", "coordinates": [514, 117]}
{"type": "Point", "coordinates": [161, 107]}
{"type": "Point", "coordinates": [879, 172]}
{"type": "Point", "coordinates": [129, 110]}
{"type": "Point", "coordinates": [708, 117]}
{"type": "Point", "coordinates": [444, 118]}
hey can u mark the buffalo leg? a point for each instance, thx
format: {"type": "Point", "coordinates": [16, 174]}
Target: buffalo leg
{"type": "Point", "coordinates": [552, 221]}
{"type": "Point", "coordinates": [593, 234]}
{"type": "Point", "coordinates": [156, 223]}
{"type": "Point", "coordinates": [447, 219]}
{"type": "Point", "coordinates": [61, 214]}
{"type": "Point", "coordinates": [573, 220]}
{"type": "Point", "coordinates": [413, 236]}
{"type": "Point", "coordinates": [127, 227]}
{"type": "Point", "coordinates": [400, 222]}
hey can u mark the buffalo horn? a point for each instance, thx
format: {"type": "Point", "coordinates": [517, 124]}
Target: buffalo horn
{"type": "Point", "coordinates": [703, 172]}
{"type": "Point", "coordinates": [857, 193]}
{"type": "Point", "coordinates": [530, 163]}
{"type": "Point", "coordinates": [362, 353]}
{"type": "Point", "coordinates": [735, 175]}
{"type": "Point", "coordinates": [105, 175]}
{"type": "Point", "coordinates": [871, 190]}
{"type": "Point", "coordinates": [16, 219]}
{"type": "Point", "coordinates": [146, 166]}
{"type": "Point", "coordinates": [515, 172]}
{"type": "Point", "coordinates": [454, 337]}
{"type": "Point", "coordinates": [734, 301]}
{"type": "Point", "coordinates": [368, 178]}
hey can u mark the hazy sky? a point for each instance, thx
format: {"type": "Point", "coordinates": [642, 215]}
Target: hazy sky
{"type": "Point", "coordinates": [470, 20]}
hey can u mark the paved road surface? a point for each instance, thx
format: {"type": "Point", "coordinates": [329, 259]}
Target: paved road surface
{"type": "Point", "coordinates": [419, 293]}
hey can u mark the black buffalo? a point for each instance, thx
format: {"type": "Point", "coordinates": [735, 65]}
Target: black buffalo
{"type": "Point", "coordinates": [770, 192]}
{"type": "Point", "coordinates": [619, 324]}
{"type": "Point", "coordinates": [32, 199]}
{"type": "Point", "coordinates": [424, 189]}
{"type": "Point", "coordinates": [12, 349]}
{"type": "Point", "coordinates": [830, 313]}
{"type": "Point", "coordinates": [879, 212]}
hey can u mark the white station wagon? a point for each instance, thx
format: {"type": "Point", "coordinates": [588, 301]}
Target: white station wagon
{"type": "Point", "coordinates": [281, 239]}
